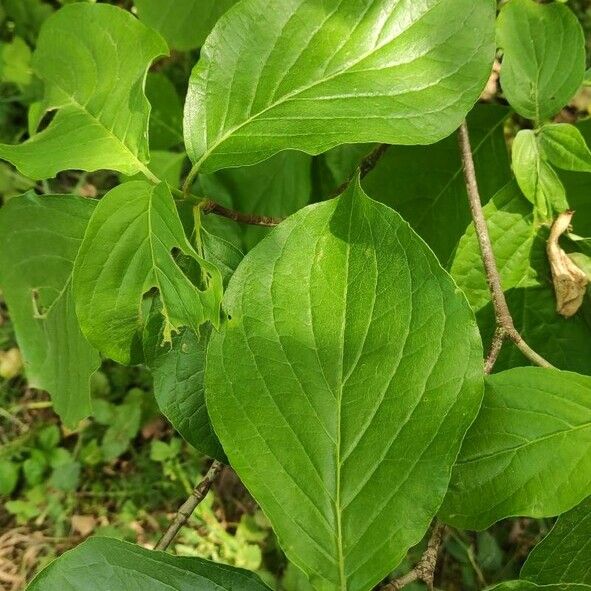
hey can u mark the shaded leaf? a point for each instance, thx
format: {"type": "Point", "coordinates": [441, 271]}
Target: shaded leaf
{"type": "Point", "coordinates": [166, 115]}
{"type": "Point", "coordinates": [329, 390]}
{"type": "Point", "coordinates": [39, 239]}
{"type": "Point", "coordinates": [435, 202]}
{"type": "Point", "coordinates": [357, 72]}
{"type": "Point", "coordinates": [536, 177]}
{"type": "Point", "coordinates": [276, 188]}
{"type": "Point", "coordinates": [520, 250]}
{"type": "Point", "coordinates": [528, 452]}
{"type": "Point", "coordinates": [178, 370]}
{"type": "Point", "coordinates": [564, 555]}
{"type": "Point", "coordinates": [102, 563]}
{"type": "Point", "coordinates": [127, 251]}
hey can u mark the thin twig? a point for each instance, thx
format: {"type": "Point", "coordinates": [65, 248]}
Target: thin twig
{"type": "Point", "coordinates": [187, 508]}
{"type": "Point", "coordinates": [502, 314]}
{"type": "Point", "coordinates": [209, 206]}
{"type": "Point", "coordinates": [495, 349]}
{"type": "Point", "coordinates": [365, 167]}
{"type": "Point", "coordinates": [425, 569]}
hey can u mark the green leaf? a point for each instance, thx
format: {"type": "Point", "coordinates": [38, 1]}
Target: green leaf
{"type": "Point", "coordinates": [510, 223]}
{"type": "Point", "coordinates": [185, 24]}
{"type": "Point", "coordinates": [426, 184]}
{"type": "Point", "coordinates": [276, 188]}
{"type": "Point", "coordinates": [342, 385]}
{"type": "Point", "coordinates": [129, 249]}
{"type": "Point", "coordinates": [528, 452]}
{"type": "Point", "coordinates": [356, 72]}
{"type": "Point", "coordinates": [27, 15]}
{"type": "Point", "coordinates": [520, 250]}
{"type": "Point", "coordinates": [536, 177]}
{"type": "Point", "coordinates": [166, 116]}
{"type": "Point", "coordinates": [39, 239]}
{"type": "Point", "coordinates": [564, 555]}
{"type": "Point", "coordinates": [544, 56]}
{"type": "Point", "coordinates": [102, 563]}
{"type": "Point", "coordinates": [178, 371]}
{"type": "Point", "coordinates": [528, 586]}
{"type": "Point", "coordinates": [564, 146]}
{"type": "Point", "coordinates": [15, 66]}
{"type": "Point", "coordinates": [93, 59]}
{"type": "Point", "coordinates": [167, 166]}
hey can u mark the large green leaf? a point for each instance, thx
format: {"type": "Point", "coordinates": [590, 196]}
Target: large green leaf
{"type": "Point", "coordinates": [528, 452]}
{"type": "Point", "coordinates": [129, 249]}
{"type": "Point", "coordinates": [358, 71]}
{"type": "Point", "coordinates": [93, 59]}
{"type": "Point", "coordinates": [39, 239]}
{"type": "Point", "coordinates": [276, 188]}
{"type": "Point", "coordinates": [342, 385]}
{"type": "Point", "coordinates": [564, 555]}
{"type": "Point", "coordinates": [183, 23]}
{"type": "Point", "coordinates": [544, 56]}
{"type": "Point", "coordinates": [520, 251]}
{"type": "Point", "coordinates": [435, 202]}
{"type": "Point", "coordinates": [103, 564]}
{"type": "Point", "coordinates": [178, 370]}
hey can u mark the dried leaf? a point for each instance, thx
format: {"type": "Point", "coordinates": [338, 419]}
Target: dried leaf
{"type": "Point", "coordinates": [570, 282]}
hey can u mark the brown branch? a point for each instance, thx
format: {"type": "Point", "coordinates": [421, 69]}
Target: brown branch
{"type": "Point", "coordinates": [503, 316]}
{"type": "Point", "coordinates": [365, 167]}
{"type": "Point", "coordinates": [425, 569]}
{"type": "Point", "coordinates": [208, 206]}
{"type": "Point", "coordinates": [495, 348]}
{"type": "Point", "coordinates": [187, 508]}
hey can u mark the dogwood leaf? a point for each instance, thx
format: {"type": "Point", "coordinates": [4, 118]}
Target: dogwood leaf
{"type": "Point", "coordinates": [403, 73]}
{"type": "Point", "coordinates": [93, 59]}
{"type": "Point", "coordinates": [544, 56]}
{"type": "Point", "coordinates": [39, 240]}
{"type": "Point", "coordinates": [183, 23]}
{"type": "Point", "coordinates": [342, 384]}
{"type": "Point", "coordinates": [134, 244]}
{"type": "Point", "coordinates": [564, 555]}
{"type": "Point", "coordinates": [528, 452]}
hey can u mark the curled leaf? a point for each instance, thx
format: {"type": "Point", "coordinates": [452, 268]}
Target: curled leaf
{"type": "Point", "coordinates": [570, 282]}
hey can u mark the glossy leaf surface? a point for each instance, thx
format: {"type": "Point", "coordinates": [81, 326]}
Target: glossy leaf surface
{"type": "Point", "coordinates": [342, 384]}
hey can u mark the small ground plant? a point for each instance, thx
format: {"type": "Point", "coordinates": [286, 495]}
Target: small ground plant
{"type": "Point", "coordinates": [351, 262]}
